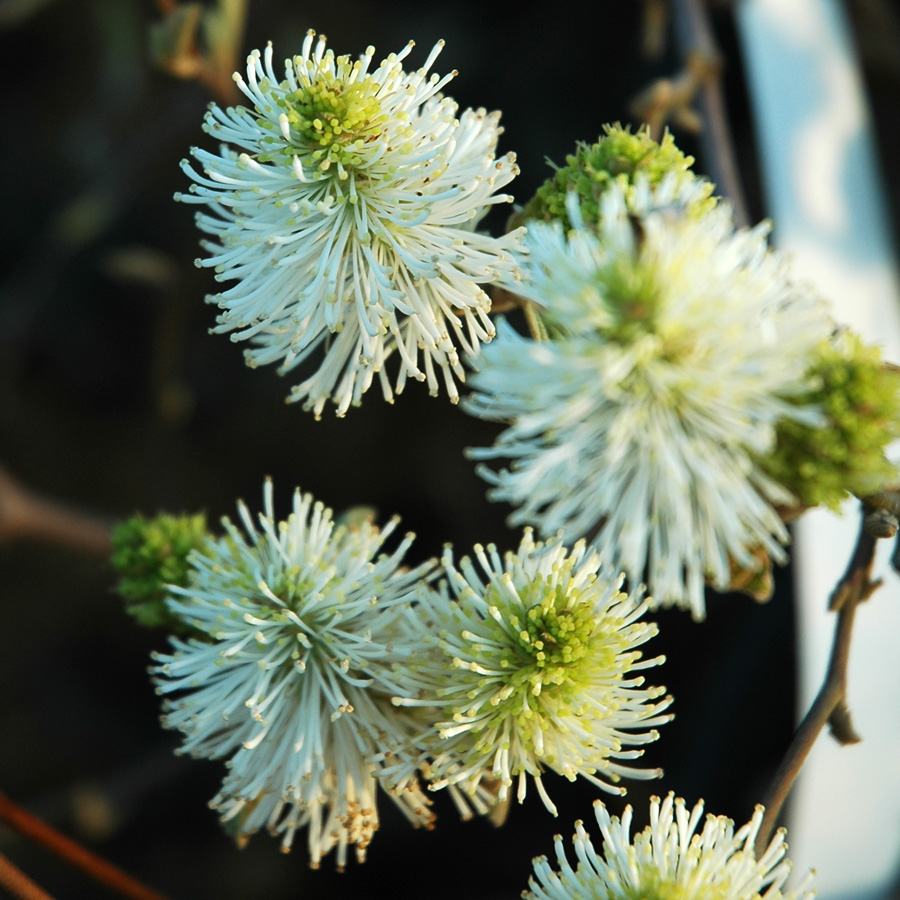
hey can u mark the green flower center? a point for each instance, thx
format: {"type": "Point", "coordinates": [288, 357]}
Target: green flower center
{"type": "Point", "coordinates": [653, 887]}
{"type": "Point", "coordinates": [632, 297]}
{"type": "Point", "coordinates": [553, 636]}
{"type": "Point", "coordinates": [335, 118]}
{"type": "Point", "coordinates": [624, 298]}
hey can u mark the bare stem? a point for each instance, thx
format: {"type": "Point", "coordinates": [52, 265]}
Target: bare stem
{"type": "Point", "coordinates": [18, 884]}
{"type": "Point", "coordinates": [700, 80]}
{"type": "Point", "coordinates": [536, 325]}
{"type": "Point", "coordinates": [24, 514]}
{"type": "Point", "coordinates": [653, 33]}
{"type": "Point", "coordinates": [100, 870]}
{"type": "Point", "coordinates": [830, 704]}
{"type": "Point", "coordinates": [695, 35]}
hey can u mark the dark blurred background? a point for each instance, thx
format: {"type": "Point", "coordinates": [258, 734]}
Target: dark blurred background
{"type": "Point", "coordinates": [114, 399]}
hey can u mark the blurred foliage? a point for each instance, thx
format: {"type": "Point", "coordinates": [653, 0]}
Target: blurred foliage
{"type": "Point", "coordinates": [859, 398]}
{"type": "Point", "coordinates": [150, 555]}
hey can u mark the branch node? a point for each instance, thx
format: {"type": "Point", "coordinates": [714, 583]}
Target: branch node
{"type": "Point", "coordinates": [841, 725]}
{"type": "Point", "coordinates": [881, 523]}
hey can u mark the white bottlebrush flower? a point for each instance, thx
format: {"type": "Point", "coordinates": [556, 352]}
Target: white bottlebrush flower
{"type": "Point", "coordinates": [677, 344]}
{"type": "Point", "coordinates": [289, 679]}
{"type": "Point", "coordinates": [669, 860]}
{"type": "Point", "coordinates": [533, 666]}
{"type": "Point", "coordinates": [342, 205]}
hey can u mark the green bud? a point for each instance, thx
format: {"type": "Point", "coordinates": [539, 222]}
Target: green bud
{"type": "Point", "coordinates": [860, 399]}
{"type": "Point", "coordinates": [619, 156]}
{"type": "Point", "coordinates": [149, 554]}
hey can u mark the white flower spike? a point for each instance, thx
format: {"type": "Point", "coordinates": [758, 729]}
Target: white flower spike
{"type": "Point", "coordinates": [343, 206]}
{"type": "Point", "coordinates": [669, 860]}
{"type": "Point", "coordinates": [677, 345]}
{"type": "Point", "coordinates": [533, 666]}
{"type": "Point", "coordinates": [289, 676]}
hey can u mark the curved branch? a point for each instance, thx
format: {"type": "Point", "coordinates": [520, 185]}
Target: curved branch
{"type": "Point", "coordinates": [99, 869]}
{"type": "Point", "coordinates": [700, 79]}
{"type": "Point", "coordinates": [24, 514]}
{"type": "Point", "coordinates": [18, 884]}
{"type": "Point", "coordinates": [830, 706]}
{"type": "Point", "coordinates": [695, 34]}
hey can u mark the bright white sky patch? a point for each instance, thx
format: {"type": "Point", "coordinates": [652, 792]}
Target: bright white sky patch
{"type": "Point", "coordinates": [823, 192]}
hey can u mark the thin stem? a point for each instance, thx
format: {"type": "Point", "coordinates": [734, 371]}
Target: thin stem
{"type": "Point", "coordinates": [696, 38]}
{"type": "Point", "coordinates": [653, 32]}
{"type": "Point", "coordinates": [26, 514]}
{"type": "Point", "coordinates": [536, 325]}
{"type": "Point", "coordinates": [73, 853]}
{"type": "Point", "coordinates": [830, 703]}
{"type": "Point", "coordinates": [18, 884]}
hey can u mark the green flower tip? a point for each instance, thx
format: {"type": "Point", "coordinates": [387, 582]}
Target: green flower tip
{"type": "Point", "coordinates": [859, 398]}
{"type": "Point", "coordinates": [149, 554]}
{"type": "Point", "coordinates": [619, 155]}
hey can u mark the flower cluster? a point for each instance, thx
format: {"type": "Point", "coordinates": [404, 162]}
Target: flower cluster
{"type": "Point", "coordinates": [678, 345]}
{"type": "Point", "coordinates": [531, 664]}
{"type": "Point", "coordinates": [669, 860]}
{"type": "Point", "coordinates": [321, 671]}
{"type": "Point", "coordinates": [343, 205]}
{"type": "Point", "coordinates": [679, 395]}
{"type": "Point", "coordinates": [289, 678]}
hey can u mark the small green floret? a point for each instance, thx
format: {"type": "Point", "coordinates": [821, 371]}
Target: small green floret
{"type": "Point", "coordinates": [149, 554]}
{"type": "Point", "coordinates": [860, 400]}
{"type": "Point", "coordinates": [619, 156]}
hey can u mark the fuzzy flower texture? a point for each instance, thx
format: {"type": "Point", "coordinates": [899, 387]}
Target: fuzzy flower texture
{"type": "Point", "coordinates": [321, 669]}
{"type": "Point", "coordinates": [286, 678]}
{"type": "Point", "coordinates": [342, 205]}
{"type": "Point", "coordinates": [529, 662]}
{"type": "Point", "coordinates": [676, 409]}
{"type": "Point", "coordinates": [671, 859]}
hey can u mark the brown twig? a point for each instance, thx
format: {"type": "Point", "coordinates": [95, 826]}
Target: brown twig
{"type": "Point", "coordinates": [175, 43]}
{"type": "Point", "coordinates": [830, 706]}
{"type": "Point", "coordinates": [25, 514]}
{"type": "Point", "coordinates": [692, 24]}
{"type": "Point", "coordinates": [701, 79]}
{"type": "Point", "coordinates": [18, 884]}
{"type": "Point", "coordinates": [653, 30]}
{"type": "Point", "coordinates": [73, 853]}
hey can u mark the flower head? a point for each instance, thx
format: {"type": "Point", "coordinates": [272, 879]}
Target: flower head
{"type": "Point", "coordinates": [677, 345]}
{"type": "Point", "coordinates": [342, 205]}
{"type": "Point", "coordinates": [533, 666]}
{"type": "Point", "coordinates": [668, 860]}
{"type": "Point", "coordinates": [290, 681]}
